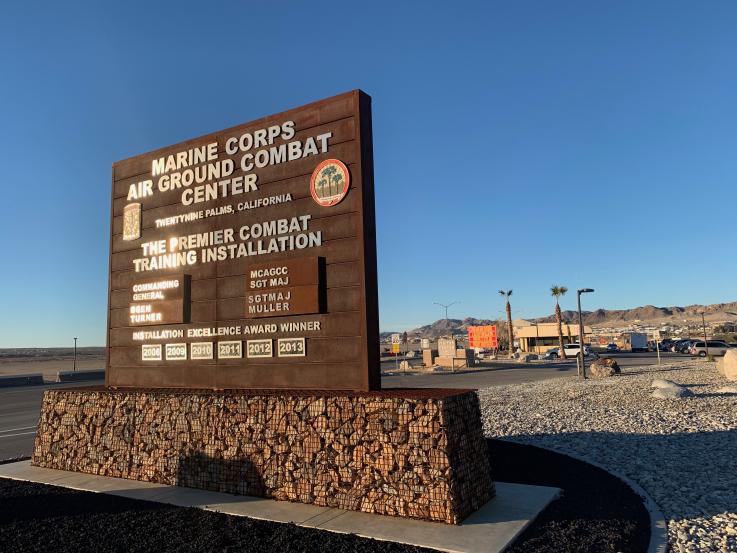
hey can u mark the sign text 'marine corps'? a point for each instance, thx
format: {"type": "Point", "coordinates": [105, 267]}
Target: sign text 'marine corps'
{"type": "Point", "coordinates": [246, 258]}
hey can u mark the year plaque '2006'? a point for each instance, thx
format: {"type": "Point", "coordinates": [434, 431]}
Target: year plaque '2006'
{"type": "Point", "coordinates": [246, 258]}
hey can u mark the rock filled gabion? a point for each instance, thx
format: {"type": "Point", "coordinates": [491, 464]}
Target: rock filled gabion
{"type": "Point", "coordinates": [418, 456]}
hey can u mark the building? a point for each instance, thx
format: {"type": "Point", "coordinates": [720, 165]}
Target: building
{"type": "Point", "coordinates": [539, 338]}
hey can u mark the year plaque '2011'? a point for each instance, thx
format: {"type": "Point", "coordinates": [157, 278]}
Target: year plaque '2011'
{"type": "Point", "coordinates": [246, 258]}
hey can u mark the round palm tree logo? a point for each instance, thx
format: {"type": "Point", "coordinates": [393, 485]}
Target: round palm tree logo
{"type": "Point", "coordinates": [329, 182]}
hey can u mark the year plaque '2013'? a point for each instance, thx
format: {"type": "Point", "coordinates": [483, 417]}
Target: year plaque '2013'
{"type": "Point", "coordinates": [246, 258]}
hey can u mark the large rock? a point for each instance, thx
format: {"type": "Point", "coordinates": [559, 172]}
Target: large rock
{"type": "Point", "coordinates": [667, 389]}
{"type": "Point", "coordinates": [728, 365]}
{"type": "Point", "coordinates": [603, 368]}
{"type": "Point", "coordinates": [672, 393]}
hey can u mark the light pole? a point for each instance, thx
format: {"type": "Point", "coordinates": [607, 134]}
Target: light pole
{"type": "Point", "coordinates": [706, 343]}
{"type": "Point", "coordinates": [75, 354]}
{"type": "Point", "coordinates": [446, 310]}
{"type": "Point", "coordinates": [537, 337]}
{"type": "Point", "coordinates": [580, 331]}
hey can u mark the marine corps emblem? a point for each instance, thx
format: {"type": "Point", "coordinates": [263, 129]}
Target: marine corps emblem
{"type": "Point", "coordinates": [329, 182]}
{"type": "Point", "coordinates": [132, 222]}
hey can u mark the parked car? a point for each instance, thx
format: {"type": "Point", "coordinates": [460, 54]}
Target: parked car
{"type": "Point", "coordinates": [552, 353]}
{"type": "Point", "coordinates": [715, 347]}
{"type": "Point", "coordinates": [683, 346]}
{"type": "Point", "coordinates": [612, 348]}
{"type": "Point", "coordinates": [572, 350]}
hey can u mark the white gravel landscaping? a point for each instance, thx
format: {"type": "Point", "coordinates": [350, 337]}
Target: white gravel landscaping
{"type": "Point", "coordinates": [683, 452]}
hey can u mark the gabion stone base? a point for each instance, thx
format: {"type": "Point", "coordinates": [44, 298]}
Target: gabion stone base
{"type": "Point", "coordinates": [409, 453]}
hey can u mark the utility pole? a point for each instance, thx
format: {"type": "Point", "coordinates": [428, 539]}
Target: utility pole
{"type": "Point", "coordinates": [75, 354]}
{"type": "Point", "coordinates": [706, 343]}
{"type": "Point", "coordinates": [581, 345]}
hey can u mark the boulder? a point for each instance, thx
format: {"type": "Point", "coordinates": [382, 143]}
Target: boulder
{"type": "Point", "coordinates": [677, 392]}
{"type": "Point", "coordinates": [404, 366]}
{"type": "Point", "coordinates": [667, 389]}
{"type": "Point", "coordinates": [603, 368]}
{"type": "Point", "coordinates": [662, 383]}
{"type": "Point", "coordinates": [729, 365]}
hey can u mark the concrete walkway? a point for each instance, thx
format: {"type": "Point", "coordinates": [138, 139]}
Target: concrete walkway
{"type": "Point", "coordinates": [490, 529]}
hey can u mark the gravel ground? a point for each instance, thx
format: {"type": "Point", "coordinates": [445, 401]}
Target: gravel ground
{"type": "Point", "coordinates": [596, 513]}
{"type": "Point", "coordinates": [36, 517]}
{"type": "Point", "coordinates": [683, 452]}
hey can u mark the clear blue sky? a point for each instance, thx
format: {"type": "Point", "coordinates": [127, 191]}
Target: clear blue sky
{"type": "Point", "coordinates": [491, 121]}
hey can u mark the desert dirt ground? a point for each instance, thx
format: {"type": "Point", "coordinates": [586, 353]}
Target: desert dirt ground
{"type": "Point", "coordinates": [49, 360]}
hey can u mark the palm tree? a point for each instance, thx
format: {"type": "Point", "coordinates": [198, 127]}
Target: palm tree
{"type": "Point", "coordinates": [509, 321]}
{"type": "Point", "coordinates": [322, 183]}
{"type": "Point", "coordinates": [328, 174]}
{"type": "Point", "coordinates": [337, 179]}
{"type": "Point", "coordinates": [557, 292]}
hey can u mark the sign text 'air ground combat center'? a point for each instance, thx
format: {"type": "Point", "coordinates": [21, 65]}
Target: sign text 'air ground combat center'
{"type": "Point", "coordinates": [246, 258]}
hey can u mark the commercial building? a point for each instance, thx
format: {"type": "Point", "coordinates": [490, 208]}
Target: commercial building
{"type": "Point", "coordinates": [539, 338]}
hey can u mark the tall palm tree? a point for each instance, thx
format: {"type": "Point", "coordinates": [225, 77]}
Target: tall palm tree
{"type": "Point", "coordinates": [328, 173]}
{"type": "Point", "coordinates": [509, 321]}
{"type": "Point", "coordinates": [557, 292]}
{"type": "Point", "coordinates": [337, 179]}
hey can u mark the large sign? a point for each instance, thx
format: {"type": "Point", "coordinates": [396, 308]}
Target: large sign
{"type": "Point", "coordinates": [246, 258]}
{"type": "Point", "coordinates": [482, 337]}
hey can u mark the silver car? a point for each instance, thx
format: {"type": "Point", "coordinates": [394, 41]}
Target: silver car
{"type": "Point", "coordinates": [714, 347]}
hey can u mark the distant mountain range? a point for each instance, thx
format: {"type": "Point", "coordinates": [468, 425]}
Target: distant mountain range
{"type": "Point", "coordinates": [600, 317]}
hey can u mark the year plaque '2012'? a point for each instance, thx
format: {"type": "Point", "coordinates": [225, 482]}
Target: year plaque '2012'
{"type": "Point", "coordinates": [246, 258]}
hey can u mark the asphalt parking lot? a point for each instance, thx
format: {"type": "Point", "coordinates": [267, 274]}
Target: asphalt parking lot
{"type": "Point", "coordinates": [501, 372]}
{"type": "Point", "coordinates": [19, 410]}
{"type": "Point", "coordinates": [19, 407]}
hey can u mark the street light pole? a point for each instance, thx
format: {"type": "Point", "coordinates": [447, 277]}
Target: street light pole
{"type": "Point", "coordinates": [581, 333]}
{"type": "Point", "coordinates": [706, 343]}
{"type": "Point", "coordinates": [75, 353]}
{"type": "Point", "coordinates": [446, 308]}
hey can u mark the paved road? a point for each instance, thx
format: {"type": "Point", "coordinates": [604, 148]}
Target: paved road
{"type": "Point", "coordinates": [19, 410]}
{"type": "Point", "coordinates": [500, 373]}
{"type": "Point", "coordinates": [19, 407]}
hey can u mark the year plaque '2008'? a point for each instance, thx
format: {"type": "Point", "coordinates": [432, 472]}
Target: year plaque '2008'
{"type": "Point", "coordinates": [246, 258]}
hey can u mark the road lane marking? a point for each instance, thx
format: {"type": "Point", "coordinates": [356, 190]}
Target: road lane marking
{"type": "Point", "coordinates": [14, 429]}
{"type": "Point", "coordinates": [19, 434]}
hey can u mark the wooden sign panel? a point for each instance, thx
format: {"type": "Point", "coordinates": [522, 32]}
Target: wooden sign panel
{"type": "Point", "coordinates": [246, 258]}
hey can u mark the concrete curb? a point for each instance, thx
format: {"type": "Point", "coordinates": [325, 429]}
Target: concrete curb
{"type": "Point", "coordinates": [76, 376]}
{"type": "Point", "coordinates": [658, 524]}
{"type": "Point", "coordinates": [31, 379]}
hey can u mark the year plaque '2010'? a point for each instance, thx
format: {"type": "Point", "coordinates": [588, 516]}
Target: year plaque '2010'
{"type": "Point", "coordinates": [246, 258]}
